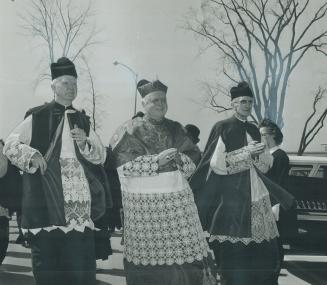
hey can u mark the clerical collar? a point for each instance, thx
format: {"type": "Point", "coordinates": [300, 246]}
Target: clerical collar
{"type": "Point", "coordinates": [62, 107]}
{"type": "Point", "coordinates": [244, 121]}
{"type": "Point", "coordinates": [273, 149]}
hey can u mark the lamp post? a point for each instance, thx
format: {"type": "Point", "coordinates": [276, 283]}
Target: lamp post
{"type": "Point", "coordinates": [135, 75]}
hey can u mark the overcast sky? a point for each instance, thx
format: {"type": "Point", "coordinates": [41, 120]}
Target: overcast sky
{"type": "Point", "coordinates": [145, 35]}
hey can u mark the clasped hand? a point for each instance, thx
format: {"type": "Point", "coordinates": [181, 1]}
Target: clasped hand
{"type": "Point", "coordinates": [255, 148]}
{"type": "Point", "coordinates": [79, 136]}
{"type": "Point", "coordinates": [168, 155]}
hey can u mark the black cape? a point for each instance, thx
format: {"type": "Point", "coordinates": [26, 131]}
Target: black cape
{"type": "Point", "coordinates": [224, 201]}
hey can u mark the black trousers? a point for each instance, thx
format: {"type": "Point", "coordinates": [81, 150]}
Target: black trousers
{"type": "Point", "coordinates": [240, 264]}
{"type": "Point", "coordinates": [4, 237]}
{"type": "Point", "coordinates": [281, 254]}
{"type": "Point", "coordinates": [59, 258]}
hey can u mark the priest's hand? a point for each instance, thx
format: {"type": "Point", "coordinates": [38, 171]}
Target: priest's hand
{"type": "Point", "coordinates": [166, 156]}
{"type": "Point", "coordinates": [178, 159]}
{"type": "Point", "coordinates": [255, 148]}
{"type": "Point", "coordinates": [37, 161]}
{"type": "Point", "coordinates": [79, 136]}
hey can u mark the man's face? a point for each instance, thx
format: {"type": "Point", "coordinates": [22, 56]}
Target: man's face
{"type": "Point", "coordinates": [65, 87]}
{"type": "Point", "coordinates": [243, 106]}
{"type": "Point", "coordinates": [155, 105]}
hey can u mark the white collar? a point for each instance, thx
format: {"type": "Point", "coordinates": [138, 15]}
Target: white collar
{"type": "Point", "coordinates": [240, 119]}
{"type": "Point", "coordinates": [273, 149]}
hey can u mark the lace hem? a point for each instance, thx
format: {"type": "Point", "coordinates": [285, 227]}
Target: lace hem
{"type": "Point", "coordinates": [246, 241]}
{"type": "Point", "coordinates": [65, 229]}
{"type": "Point", "coordinates": [154, 262]}
{"type": "Point", "coordinates": [263, 225]}
{"type": "Point", "coordinates": [162, 228]}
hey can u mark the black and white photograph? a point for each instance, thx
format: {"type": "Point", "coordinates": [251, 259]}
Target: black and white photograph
{"type": "Point", "coordinates": [147, 142]}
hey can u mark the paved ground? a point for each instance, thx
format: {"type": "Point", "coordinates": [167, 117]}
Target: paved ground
{"type": "Point", "coordinates": [16, 269]}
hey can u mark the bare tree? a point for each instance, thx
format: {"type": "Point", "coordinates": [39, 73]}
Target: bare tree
{"type": "Point", "coordinates": [66, 29]}
{"type": "Point", "coordinates": [213, 98]}
{"type": "Point", "coordinates": [314, 123]}
{"type": "Point", "coordinates": [95, 100]}
{"type": "Point", "coordinates": [261, 42]}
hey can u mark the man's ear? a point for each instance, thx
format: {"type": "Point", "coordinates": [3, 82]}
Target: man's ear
{"type": "Point", "coordinates": [53, 87]}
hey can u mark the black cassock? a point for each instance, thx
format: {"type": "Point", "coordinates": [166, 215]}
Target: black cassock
{"type": "Point", "coordinates": [214, 190]}
{"type": "Point", "coordinates": [226, 208]}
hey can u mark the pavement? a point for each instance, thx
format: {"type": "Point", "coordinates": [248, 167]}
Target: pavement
{"type": "Point", "coordinates": [16, 268]}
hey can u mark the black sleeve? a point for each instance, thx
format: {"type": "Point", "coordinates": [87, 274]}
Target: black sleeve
{"type": "Point", "coordinates": [279, 171]}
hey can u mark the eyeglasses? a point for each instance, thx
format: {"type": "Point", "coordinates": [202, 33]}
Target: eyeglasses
{"type": "Point", "coordinates": [266, 134]}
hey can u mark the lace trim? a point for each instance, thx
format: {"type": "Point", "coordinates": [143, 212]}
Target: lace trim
{"type": "Point", "coordinates": [162, 228]}
{"type": "Point", "coordinates": [263, 225]}
{"type": "Point", "coordinates": [65, 229]}
{"type": "Point", "coordinates": [188, 166]}
{"type": "Point", "coordinates": [20, 155]}
{"type": "Point", "coordinates": [94, 150]}
{"type": "Point", "coordinates": [77, 197]}
{"type": "Point", "coordinates": [144, 165]}
{"type": "Point", "coordinates": [238, 160]}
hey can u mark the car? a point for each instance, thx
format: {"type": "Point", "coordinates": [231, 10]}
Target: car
{"type": "Point", "coordinates": [309, 166]}
{"type": "Point", "coordinates": [307, 182]}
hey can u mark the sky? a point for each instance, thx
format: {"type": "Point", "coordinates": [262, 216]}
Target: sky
{"type": "Point", "coordinates": [147, 36]}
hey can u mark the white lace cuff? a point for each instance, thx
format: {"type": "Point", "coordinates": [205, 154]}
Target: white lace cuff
{"type": "Point", "coordinates": [20, 155]}
{"type": "Point", "coordinates": [94, 151]}
{"type": "Point", "coordinates": [188, 166]}
{"type": "Point", "coordinates": [238, 160]}
{"type": "Point", "coordinates": [144, 165]}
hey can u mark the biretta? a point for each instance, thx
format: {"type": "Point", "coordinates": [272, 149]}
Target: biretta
{"type": "Point", "coordinates": [146, 87]}
{"type": "Point", "coordinates": [242, 89]}
{"type": "Point", "coordinates": [63, 66]}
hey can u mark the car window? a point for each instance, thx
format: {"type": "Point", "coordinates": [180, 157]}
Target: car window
{"type": "Point", "coordinates": [300, 170]}
{"type": "Point", "coordinates": [322, 172]}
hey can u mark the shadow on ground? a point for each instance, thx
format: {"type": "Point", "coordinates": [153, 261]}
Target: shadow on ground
{"type": "Point", "coordinates": [11, 268]}
{"type": "Point", "coordinates": [114, 272]}
{"type": "Point", "coordinates": [18, 254]}
{"type": "Point", "coordinates": [9, 278]}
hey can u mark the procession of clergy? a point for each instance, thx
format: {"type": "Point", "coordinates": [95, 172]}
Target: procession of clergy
{"type": "Point", "coordinates": [178, 205]}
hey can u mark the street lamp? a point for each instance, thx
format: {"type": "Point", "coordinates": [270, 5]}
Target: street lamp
{"type": "Point", "coordinates": [135, 75]}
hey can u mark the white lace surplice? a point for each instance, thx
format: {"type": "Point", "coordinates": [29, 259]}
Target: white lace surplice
{"type": "Point", "coordinates": [77, 197]}
{"type": "Point", "coordinates": [161, 223]}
